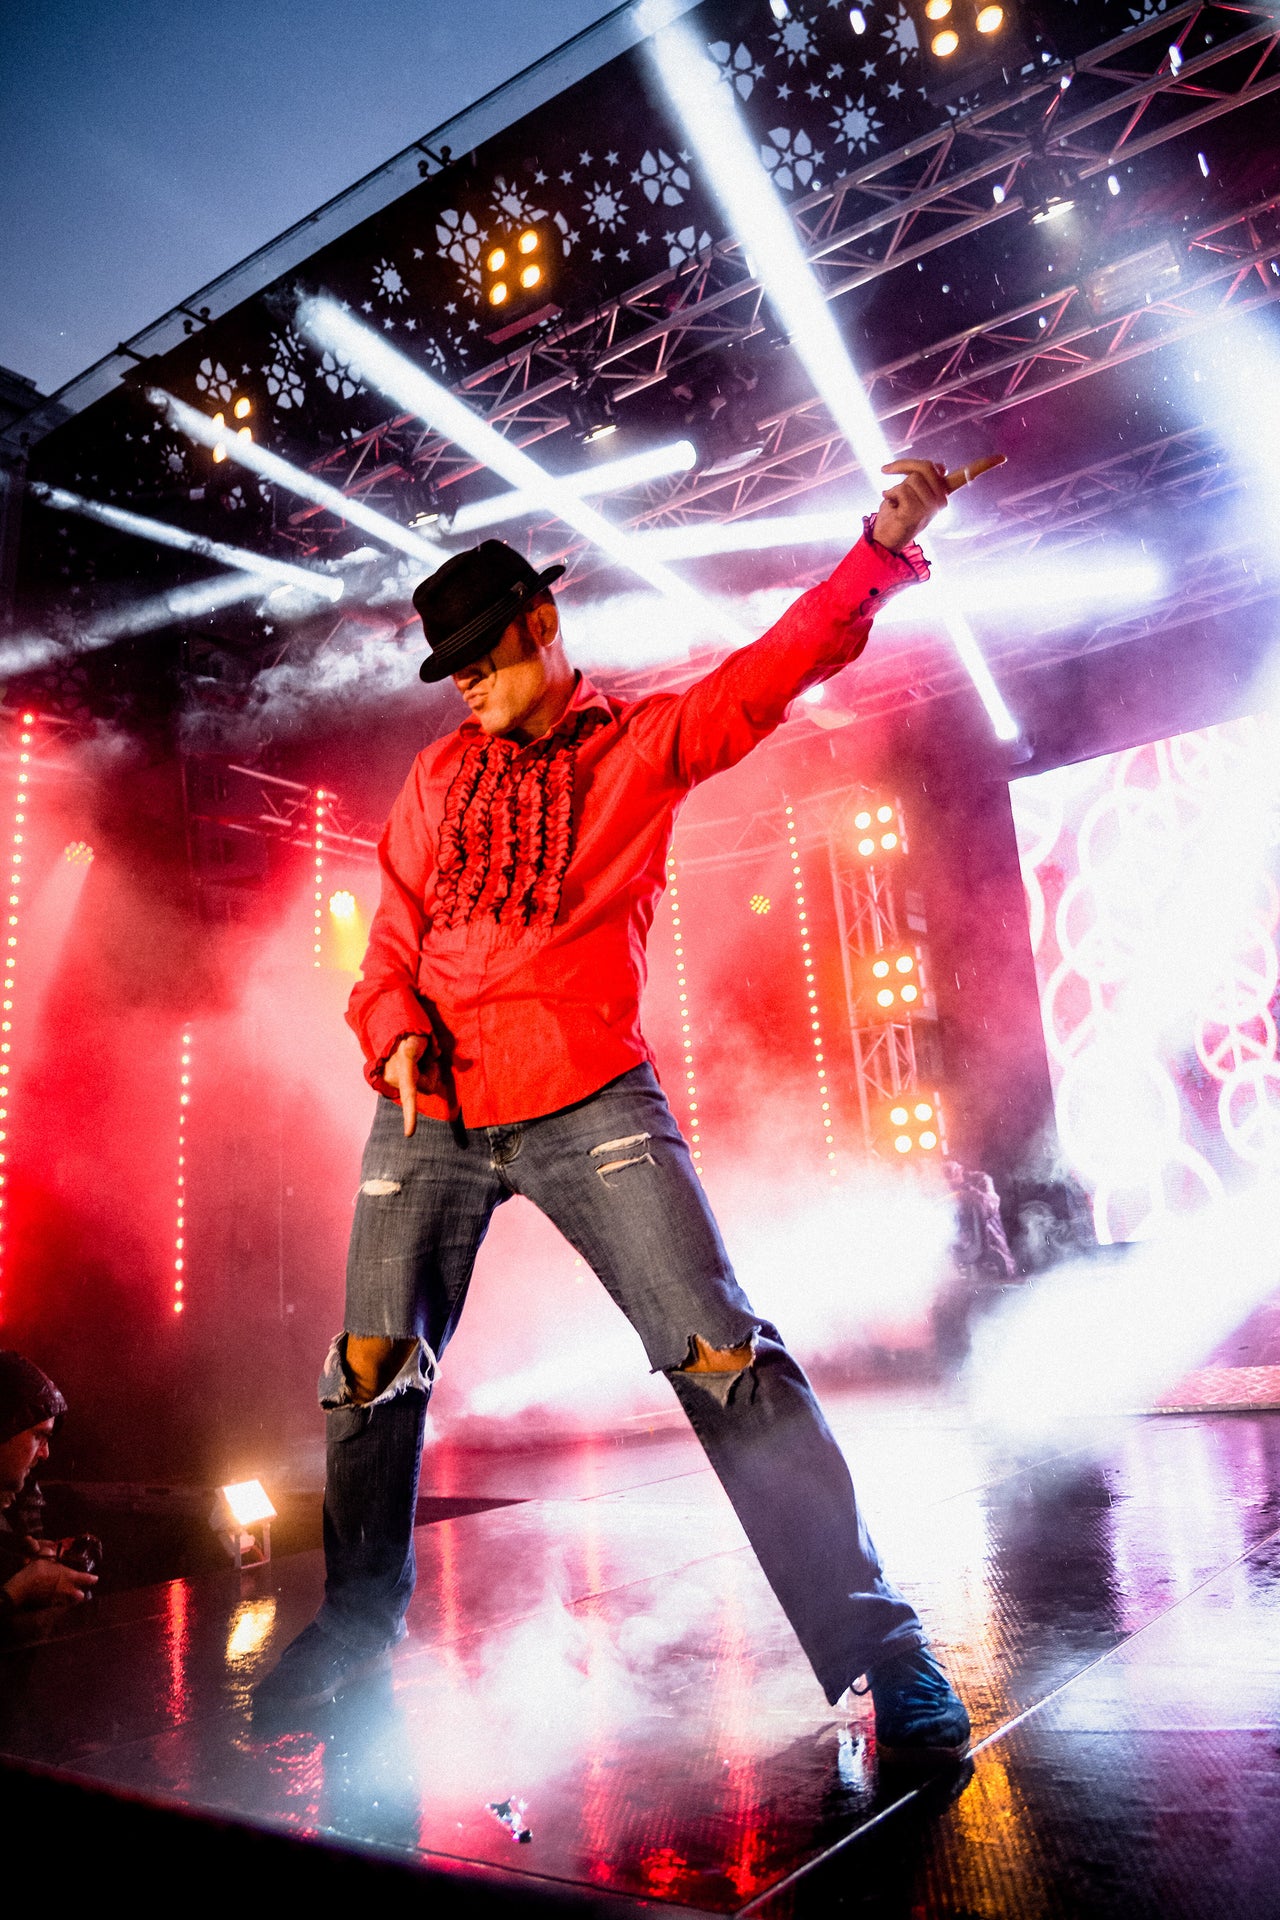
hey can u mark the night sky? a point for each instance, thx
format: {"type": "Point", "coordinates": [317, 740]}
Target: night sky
{"type": "Point", "coordinates": [148, 145]}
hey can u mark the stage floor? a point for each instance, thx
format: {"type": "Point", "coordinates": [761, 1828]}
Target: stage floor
{"type": "Point", "coordinates": [606, 1653]}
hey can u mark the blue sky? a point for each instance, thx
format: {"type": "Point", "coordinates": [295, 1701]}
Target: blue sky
{"type": "Point", "coordinates": [147, 145]}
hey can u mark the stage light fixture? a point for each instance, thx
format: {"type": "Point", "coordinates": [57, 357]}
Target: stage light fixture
{"type": "Point", "coordinates": [242, 408]}
{"type": "Point", "coordinates": [911, 1124]}
{"type": "Point", "coordinates": [878, 830]}
{"type": "Point", "coordinates": [760, 903]}
{"type": "Point", "coordinates": [78, 853]}
{"type": "Point", "coordinates": [342, 905]}
{"type": "Point", "coordinates": [811, 987]}
{"type": "Point", "coordinates": [980, 49]}
{"type": "Point", "coordinates": [515, 280]}
{"type": "Point", "coordinates": [757, 216]}
{"type": "Point", "coordinates": [682, 1001]}
{"type": "Point", "coordinates": [591, 413]}
{"type": "Point", "coordinates": [306, 486]}
{"type": "Point", "coordinates": [893, 986]}
{"type": "Point", "coordinates": [278, 572]}
{"type": "Point", "coordinates": [414, 389]}
{"type": "Point", "coordinates": [241, 1518]}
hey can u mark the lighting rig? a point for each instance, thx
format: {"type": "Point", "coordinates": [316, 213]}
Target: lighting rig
{"type": "Point", "coordinates": [517, 280]}
{"type": "Point", "coordinates": [882, 924]}
{"type": "Point", "coordinates": [967, 46]}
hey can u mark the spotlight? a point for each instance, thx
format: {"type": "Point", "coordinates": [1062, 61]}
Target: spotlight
{"type": "Point", "coordinates": [857, 20]}
{"type": "Point", "coordinates": [760, 903]}
{"type": "Point", "coordinates": [342, 905]}
{"type": "Point", "coordinates": [1047, 188]}
{"type": "Point", "coordinates": [242, 408]}
{"type": "Point", "coordinates": [893, 988]}
{"type": "Point", "coordinates": [968, 46]}
{"type": "Point", "coordinates": [878, 830]}
{"type": "Point", "coordinates": [239, 1509]}
{"type": "Point", "coordinates": [911, 1124]}
{"type": "Point", "coordinates": [515, 280]}
{"type": "Point", "coordinates": [591, 413]}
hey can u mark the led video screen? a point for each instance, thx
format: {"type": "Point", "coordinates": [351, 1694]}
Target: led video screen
{"type": "Point", "coordinates": [1151, 879]}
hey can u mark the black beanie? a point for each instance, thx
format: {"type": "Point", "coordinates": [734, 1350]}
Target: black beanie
{"type": "Point", "coordinates": [27, 1396]}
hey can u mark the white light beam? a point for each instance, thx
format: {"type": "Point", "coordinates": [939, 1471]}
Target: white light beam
{"type": "Point", "coordinates": [758, 219]}
{"type": "Point", "coordinates": [281, 473]}
{"type": "Point", "coordinates": [162, 534]}
{"type": "Point", "coordinates": [611, 476]}
{"type": "Point", "coordinates": [325, 323]}
{"type": "Point", "coordinates": [26, 653]}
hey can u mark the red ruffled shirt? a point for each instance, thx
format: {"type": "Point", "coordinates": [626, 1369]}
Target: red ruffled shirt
{"type": "Point", "coordinates": [519, 882]}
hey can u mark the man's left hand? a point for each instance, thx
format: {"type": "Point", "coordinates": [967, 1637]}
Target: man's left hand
{"type": "Point", "coordinates": [908, 507]}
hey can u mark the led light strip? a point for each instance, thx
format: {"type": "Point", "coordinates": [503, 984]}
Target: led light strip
{"type": "Point", "coordinates": [317, 929]}
{"type": "Point", "coordinates": [17, 832]}
{"type": "Point", "coordinates": [686, 1036]}
{"type": "Point", "coordinates": [811, 989]}
{"type": "Point", "coordinates": [180, 1191]}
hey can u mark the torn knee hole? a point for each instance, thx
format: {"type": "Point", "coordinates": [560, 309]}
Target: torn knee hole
{"type": "Point", "coordinates": [704, 1358]}
{"type": "Point", "coordinates": [372, 1363]}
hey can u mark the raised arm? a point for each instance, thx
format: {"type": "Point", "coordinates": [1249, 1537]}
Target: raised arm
{"type": "Point", "coordinates": [719, 719]}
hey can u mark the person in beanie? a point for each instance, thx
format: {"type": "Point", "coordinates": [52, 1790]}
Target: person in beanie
{"type": "Point", "coordinates": [30, 1410]}
{"type": "Point", "coordinates": [499, 1017]}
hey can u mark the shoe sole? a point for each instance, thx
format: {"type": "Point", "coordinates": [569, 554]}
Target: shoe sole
{"type": "Point", "coordinates": [271, 1705]}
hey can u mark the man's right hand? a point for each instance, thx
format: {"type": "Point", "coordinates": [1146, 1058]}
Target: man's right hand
{"type": "Point", "coordinates": [47, 1583]}
{"type": "Point", "coordinates": [401, 1072]}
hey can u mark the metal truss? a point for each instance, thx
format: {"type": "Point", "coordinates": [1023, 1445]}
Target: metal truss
{"type": "Point", "coordinates": [884, 1054]}
{"type": "Point", "coordinates": [233, 799]}
{"type": "Point", "coordinates": [884, 1051]}
{"type": "Point", "coordinates": [1125, 98]}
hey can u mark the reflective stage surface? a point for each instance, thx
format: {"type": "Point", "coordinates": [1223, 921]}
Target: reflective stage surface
{"type": "Point", "coordinates": [604, 1665]}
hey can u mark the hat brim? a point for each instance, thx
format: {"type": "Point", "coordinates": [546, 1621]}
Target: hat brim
{"type": "Point", "coordinates": [476, 638]}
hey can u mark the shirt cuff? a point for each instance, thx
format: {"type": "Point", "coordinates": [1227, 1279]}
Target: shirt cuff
{"type": "Point", "coordinates": [911, 555]}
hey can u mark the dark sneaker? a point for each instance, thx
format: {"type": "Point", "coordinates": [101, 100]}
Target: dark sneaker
{"type": "Point", "coordinates": [919, 1715]}
{"type": "Point", "coordinates": [314, 1669]}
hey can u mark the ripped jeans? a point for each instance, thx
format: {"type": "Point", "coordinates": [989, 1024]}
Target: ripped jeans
{"type": "Point", "coordinates": [615, 1176]}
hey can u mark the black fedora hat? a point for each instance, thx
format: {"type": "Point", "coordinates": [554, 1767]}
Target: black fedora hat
{"type": "Point", "coordinates": [466, 604]}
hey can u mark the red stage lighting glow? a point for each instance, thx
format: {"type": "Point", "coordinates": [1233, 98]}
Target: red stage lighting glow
{"type": "Point", "coordinates": [180, 1211]}
{"type": "Point", "coordinates": [811, 990]}
{"type": "Point", "coordinates": [17, 841]}
{"type": "Point", "coordinates": [686, 1037]}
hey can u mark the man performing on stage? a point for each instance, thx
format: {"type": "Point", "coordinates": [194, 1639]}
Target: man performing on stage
{"type": "Point", "coordinates": [499, 1016]}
